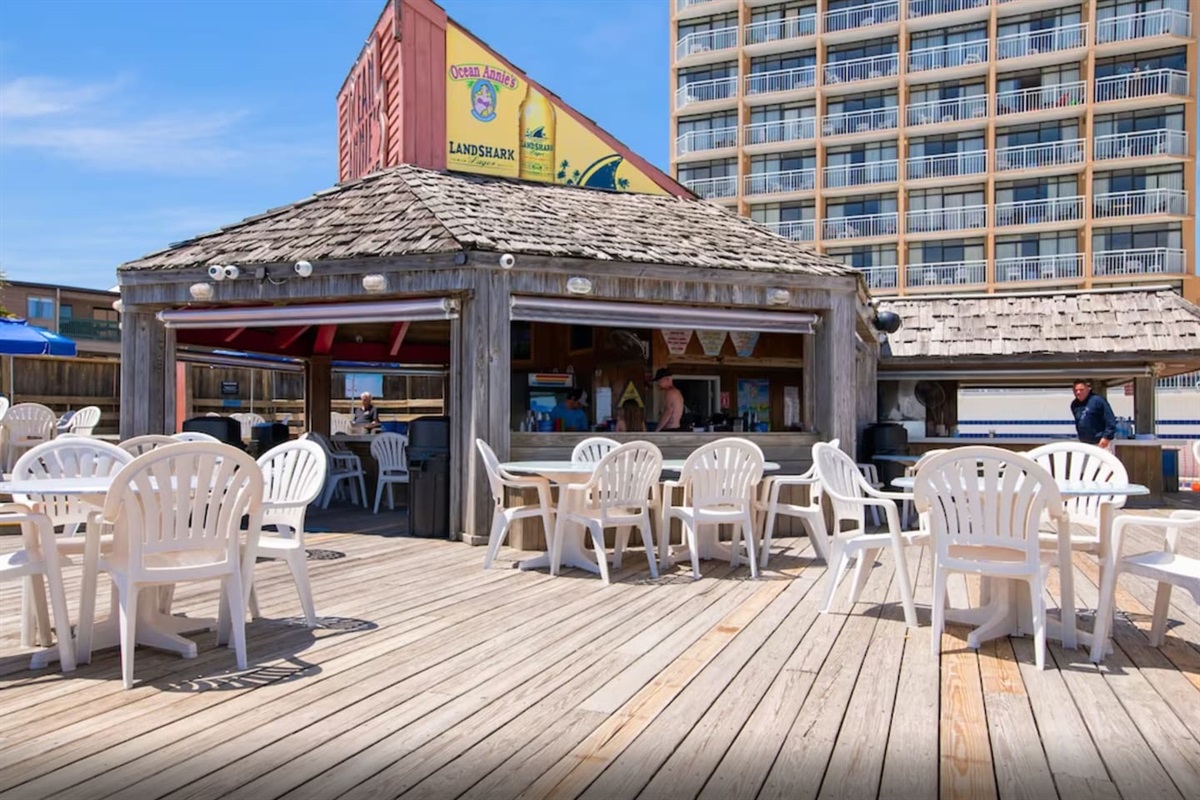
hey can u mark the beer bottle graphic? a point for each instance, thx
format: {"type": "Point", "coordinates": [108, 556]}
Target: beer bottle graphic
{"type": "Point", "coordinates": [537, 137]}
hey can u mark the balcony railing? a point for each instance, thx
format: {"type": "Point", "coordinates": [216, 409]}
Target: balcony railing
{"type": "Point", "coordinates": [706, 91]}
{"type": "Point", "coordinates": [933, 112]}
{"type": "Point", "coordinates": [845, 19]}
{"type": "Point", "coordinates": [862, 69]}
{"type": "Point", "coordinates": [1142, 84]}
{"type": "Point", "coordinates": [844, 175]}
{"type": "Point", "coordinates": [1041, 98]}
{"type": "Point", "coordinates": [780, 30]}
{"type": "Point", "coordinates": [923, 8]}
{"type": "Point", "coordinates": [798, 230]}
{"type": "Point", "coordinates": [1142, 261]}
{"type": "Point", "coordinates": [1037, 212]}
{"type": "Point", "coordinates": [948, 55]}
{"type": "Point", "coordinates": [873, 119]}
{"type": "Point", "coordinates": [682, 5]}
{"type": "Point", "coordinates": [781, 80]}
{"type": "Point", "coordinates": [1060, 266]}
{"type": "Point", "coordinates": [880, 277]}
{"type": "Point", "coordinates": [1144, 24]}
{"type": "Point", "coordinates": [930, 220]}
{"type": "Point", "coordinates": [784, 130]}
{"type": "Point", "coordinates": [699, 141]}
{"type": "Point", "coordinates": [714, 188]}
{"type": "Point", "coordinates": [704, 41]}
{"type": "Point", "coordinates": [863, 226]}
{"type": "Point", "coordinates": [791, 180]}
{"type": "Point", "coordinates": [96, 329]}
{"type": "Point", "coordinates": [1140, 202]}
{"type": "Point", "coordinates": [1140, 144]}
{"type": "Point", "coordinates": [947, 165]}
{"type": "Point", "coordinates": [1031, 43]}
{"type": "Point", "coordinates": [1041, 154]}
{"type": "Point", "coordinates": [946, 273]}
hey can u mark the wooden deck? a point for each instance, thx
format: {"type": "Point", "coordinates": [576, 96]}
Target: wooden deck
{"type": "Point", "coordinates": [435, 679]}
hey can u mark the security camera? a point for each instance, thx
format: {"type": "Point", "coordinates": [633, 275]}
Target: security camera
{"type": "Point", "coordinates": [303, 268]}
{"type": "Point", "coordinates": [232, 272]}
{"type": "Point", "coordinates": [507, 261]}
{"type": "Point", "coordinates": [216, 272]}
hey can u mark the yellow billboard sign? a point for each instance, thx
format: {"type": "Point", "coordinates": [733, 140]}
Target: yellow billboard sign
{"type": "Point", "coordinates": [497, 123]}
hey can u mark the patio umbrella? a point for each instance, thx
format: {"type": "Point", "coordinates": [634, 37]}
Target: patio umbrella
{"type": "Point", "coordinates": [19, 338]}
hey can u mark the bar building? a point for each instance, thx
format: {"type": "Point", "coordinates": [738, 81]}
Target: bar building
{"type": "Point", "coordinates": [949, 145]}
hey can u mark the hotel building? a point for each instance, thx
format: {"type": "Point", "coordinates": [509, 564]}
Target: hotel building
{"type": "Point", "coordinates": [944, 145]}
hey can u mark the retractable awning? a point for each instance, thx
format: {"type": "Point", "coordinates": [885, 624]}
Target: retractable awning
{"type": "Point", "coordinates": [419, 310]}
{"type": "Point", "coordinates": [569, 311]}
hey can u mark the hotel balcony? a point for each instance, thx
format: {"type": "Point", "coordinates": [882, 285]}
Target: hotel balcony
{"type": "Point", "coordinates": [1160, 143]}
{"type": "Point", "coordinates": [961, 112]}
{"type": "Point", "coordinates": [798, 230]}
{"type": "Point", "coordinates": [1058, 267]}
{"type": "Point", "coordinates": [939, 220]}
{"type": "Point", "coordinates": [926, 14]}
{"type": "Point", "coordinates": [778, 35]}
{"type": "Point", "coordinates": [717, 92]}
{"type": "Point", "coordinates": [947, 273]}
{"type": "Point", "coordinates": [861, 122]}
{"type": "Point", "coordinates": [1042, 46]}
{"type": "Point", "coordinates": [766, 136]}
{"type": "Point", "coordinates": [702, 8]}
{"type": "Point", "coordinates": [1142, 89]}
{"type": "Point", "coordinates": [1140, 203]}
{"type": "Point", "coordinates": [873, 68]}
{"type": "Point", "coordinates": [696, 48]}
{"type": "Point", "coordinates": [724, 188]}
{"type": "Point", "coordinates": [783, 182]}
{"type": "Point", "coordinates": [1143, 261]}
{"type": "Point", "coordinates": [1054, 101]}
{"type": "Point", "coordinates": [765, 86]}
{"type": "Point", "coordinates": [102, 330]}
{"type": "Point", "coordinates": [869, 19]}
{"type": "Point", "coordinates": [1039, 212]}
{"type": "Point", "coordinates": [880, 278]}
{"type": "Point", "coordinates": [947, 165]}
{"type": "Point", "coordinates": [844, 176]}
{"type": "Point", "coordinates": [1160, 22]}
{"type": "Point", "coordinates": [1042, 155]}
{"type": "Point", "coordinates": [704, 142]}
{"type": "Point", "coordinates": [865, 226]}
{"type": "Point", "coordinates": [967, 58]}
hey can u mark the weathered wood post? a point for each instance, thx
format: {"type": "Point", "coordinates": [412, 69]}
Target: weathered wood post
{"type": "Point", "coordinates": [147, 375]}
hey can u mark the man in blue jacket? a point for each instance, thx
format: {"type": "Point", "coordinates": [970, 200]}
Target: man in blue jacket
{"type": "Point", "coordinates": [1094, 419]}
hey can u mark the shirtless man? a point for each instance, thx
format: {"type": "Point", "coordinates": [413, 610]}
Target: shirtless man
{"type": "Point", "coordinates": [672, 401]}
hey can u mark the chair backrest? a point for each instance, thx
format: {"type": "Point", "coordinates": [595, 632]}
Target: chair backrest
{"type": "Point", "coordinates": [1078, 461]}
{"type": "Point", "coordinates": [622, 479]}
{"type": "Point", "coordinates": [723, 473]}
{"type": "Point", "coordinates": [84, 421]}
{"type": "Point", "coordinates": [4, 404]}
{"type": "Point", "coordinates": [389, 452]}
{"type": "Point", "coordinates": [144, 444]}
{"type": "Point", "coordinates": [985, 497]}
{"type": "Point", "coordinates": [339, 423]}
{"type": "Point", "coordinates": [188, 498]}
{"type": "Point", "coordinates": [293, 473]}
{"type": "Point", "coordinates": [492, 465]}
{"type": "Point", "coordinates": [194, 436]}
{"type": "Point", "coordinates": [841, 484]}
{"type": "Point", "coordinates": [77, 457]}
{"type": "Point", "coordinates": [248, 421]}
{"type": "Point", "coordinates": [592, 449]}
{"type": "Point", "coordinates": [30, 420]}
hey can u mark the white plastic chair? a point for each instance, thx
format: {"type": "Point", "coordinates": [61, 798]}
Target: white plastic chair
{"type": "Point", "coordinates": [983, 506]}
{"type": "Point", "coordinates": [389, 452]}
{"type": "Point", "coordinates": [340, 423]}
{"type": "Point", "coordinates": [767, 506]}
{"type": "Point", "coordinates": [164, 534]}
{"type": "Point", "coordinates": [718, 480]}
{"type": "Point", "coordinates": [84, 421]}
{"type": "Point", "coordinates": [38, 563]}
{"type": "Point", "coordinates": [195, 436]}
{"type": "Point", "coordinates": [293, 476]}
{"type": "Point", "coordinates": [4, 404]}
{"type": "Point", "coordinates": [248, 421]}
{"type": "Point", "coordinates": [27, 425]}
{"type": "Point", "coordinates": [849, 495]}
{"type": "Point", "coordinates": [870, 474]}
{"type": "Point", "coordinates": [616, 496]}
{"type": "Point", "coordinates": [1167, 566]}
{"type": "Point", "coordinates": [592, 449]}
{"type": "Point", "coordinates": [144, 444]}
{"type": "Point", "coordinates": [503, 515]}
{"type": "Point", "coordinates": [911, 472]}
{"type": "Point", "coordinates": [340, 467]}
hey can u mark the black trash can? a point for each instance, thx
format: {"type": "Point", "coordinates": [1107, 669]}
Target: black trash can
{"type": "Point", "coordinates": [429, 477]}
{"type": "Point", "coordinates": [885, 439]}
{"type": "Point", "coordinates": [267, 435]}
{"type": "Point", "coordinates": [224, 429]}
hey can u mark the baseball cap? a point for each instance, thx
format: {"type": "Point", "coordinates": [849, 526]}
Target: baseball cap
{"type": "Point", "coordinates": [663, 372]}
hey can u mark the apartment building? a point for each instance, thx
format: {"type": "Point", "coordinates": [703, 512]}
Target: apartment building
{"type": "Point", "coordinates": [950, 144]}
{"type": "Point", "coordinates": [85, 315]}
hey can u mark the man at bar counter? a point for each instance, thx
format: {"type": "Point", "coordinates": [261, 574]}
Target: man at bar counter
{"type": "Point", "coordinates": [672, 401]}
{"type": "Point", "coordinates": [1094, 419]}
{"type": "Point", "coordinates": [366, 417]}
{"type": "Point", "coordinates": [569, 414]}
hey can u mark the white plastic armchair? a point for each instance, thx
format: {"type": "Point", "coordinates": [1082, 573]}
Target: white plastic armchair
{"type": "Point", "coordinates": [870, 474]}
{"type": "Point", "coordinates": [38, 563]}
{"type": "Point", "coordinates": [341, 467]}
{"type": "Point", "coordinates": [248, 421]}
{"type": "Point", "coordinates": [503, 514]}
{"type": "Point", "coordinates": [390, 451]}
{"type": "Point", "coordinates": [592, 449]}
{"type": "Point", "coordinates": [27, 425]}
{"type": "Point", "coordinates": [616, 496]}
{"type": "Point", "coordinates": [849, 495]}
{"type": "Point", "coordinates": [340, 423]}
{"type": "Point", "coordinates": [195, 436]}
{"type": "Point", "coordinates": [1077, 461]}
{"type": "Point", "coordinates": [84, 421]}
{"type": "Point", "coordinates": [1167, 566]}
{"type": "Point", "coordinates": [145, 443]}
{"type": "Point", "coordinates": [767, 507]}
{"type": "Point", "coordinates": [4, 404]}
{"type": "Point", "coordinates": [911, 472]}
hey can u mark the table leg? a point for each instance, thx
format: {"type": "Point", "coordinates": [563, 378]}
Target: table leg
{"type": "Point", "coordinates": [573, 552]}
{"type": "Point", "coordinates": [154, 629]}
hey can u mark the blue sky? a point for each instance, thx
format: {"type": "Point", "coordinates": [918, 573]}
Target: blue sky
{"type": "Point", "coordinates": [127, 125]}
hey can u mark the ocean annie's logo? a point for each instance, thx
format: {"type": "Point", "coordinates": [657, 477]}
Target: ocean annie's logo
{"type": "Point", "coordinates": [484, 81]}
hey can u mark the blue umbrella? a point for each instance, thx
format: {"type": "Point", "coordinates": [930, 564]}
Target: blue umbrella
{"type": "Point", "coordinates": [19, 338]}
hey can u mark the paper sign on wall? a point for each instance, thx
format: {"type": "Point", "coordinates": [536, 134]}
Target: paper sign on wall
{"type": "Point", "coordinates": [711, 341]}
{"type": "Point", "coordinates": [677, 341]}
{"type": "Point", "coordinates": [744, 342]}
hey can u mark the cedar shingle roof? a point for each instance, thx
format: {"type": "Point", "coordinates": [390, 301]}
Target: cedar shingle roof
{"type": "Point", "coordinates": [1109, 322]}
{"type": "Point", "coordinates": [406, 210]}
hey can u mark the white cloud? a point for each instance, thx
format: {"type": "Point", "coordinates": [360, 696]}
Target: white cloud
{"type": "Point", "coordinates": [28, 97]}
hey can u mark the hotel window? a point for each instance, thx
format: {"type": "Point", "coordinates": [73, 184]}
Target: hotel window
{"type": "Point", "coordinates": [65, 312]}
{"type": "Point", "coordinates": [782, 73]}
{"type": "Point", "coordinates": [1033, 245]}
{"type": "Point", "coordinates": [708, 72]}
{"type": "Point", "coordinates": [1046, 132]}
{"type": "Point", "coordinates": [783, 212]}
{"type": "Point", "coordinates": [857, 13]}
{"type": "Point", "coordinates": [710, 172]}
{"type": "Point", "coordinates": [1124, 8]}
{"type": "Point", "coordinates": [1149, 119]}
{"type": "Point", "coordinates": [1043, 33]}
{"type": "Point", "coordinates": [964, 142]}
{"type": "Point", "coordinates": [948, 251]}
{"type": "Point", "coordinates": [705, 24]}
{"type": "Point", "coordinates": [880, 255]}
{"type": "Point", "coordinates": [105, 314]}
{"type": "Point", "coordinates": [780, 113]}
{"type": "Point", "coordinates": [725, 122]}
{"type": "Point", "coordinates": [861, 112]}
{"type": "Point", "coordinates": [861, 206]}
{"type": "Point", "coordinates": [783, 162]}
{"type": "Point", "coordinates": [868, 49]}
{"type": "Point", "coordinates": [1046, 77]}
{"type": "Point", "coordinates": [1142, 62]}
{"type": "Point", "coordinates": [39, 307]}
{"type": "Point", "coordinates": [929, 199]}
{"type": "Point", "coordinates": [869, 153]}
{"type": "Point", "coordinates": [792, 20]}
{"type": "Point", "coordinates": [1139, 237]}
{"type": "Point", "coordinates": [1044, 189]}
{"type": "Point", "coordinates": [948, 47]}
{"type": "Point", "coordinates": [1137, 20]}
{"type": "Point", "coordinates": [1136, 180]}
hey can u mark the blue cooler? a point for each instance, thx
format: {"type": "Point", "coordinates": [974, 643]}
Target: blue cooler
{"type": "Point", "coordinates": [391, 426]}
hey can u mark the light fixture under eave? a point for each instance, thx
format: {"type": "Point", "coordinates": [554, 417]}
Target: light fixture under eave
{"type": "Point", "coordinates": [201, 291]}
{"type": "Point", "coordinates": [778, 297]}
{"type": "Point", "coordinates": [375, 283]}
{"type": "Point", "coordinates": [579, 285]}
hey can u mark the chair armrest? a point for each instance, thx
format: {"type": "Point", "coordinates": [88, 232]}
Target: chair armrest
{"type": "Point", "coordinates": [1170, 525]}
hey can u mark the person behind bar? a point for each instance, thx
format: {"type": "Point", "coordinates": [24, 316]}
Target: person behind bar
{"type": "Point", "coordinates": [569, 414]}
{"type": "Point", "coordinates": [672, 401]}
{"type": "Point", "coordinates": [632, 419]}
{"type": "Point", "coordinates": [1094, 419]}
{"type": "Point", "coordinates": [368, 415]}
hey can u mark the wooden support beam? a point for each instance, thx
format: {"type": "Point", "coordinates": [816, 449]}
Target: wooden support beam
{"type": "Point", "coordinates": [399, 329]}
{"type": "Point", "coordinates": [324, 343]}
{"type": "Point", "coordinates": [286, 337]}
{"type": "Point", "coordinates": [318, 377]}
